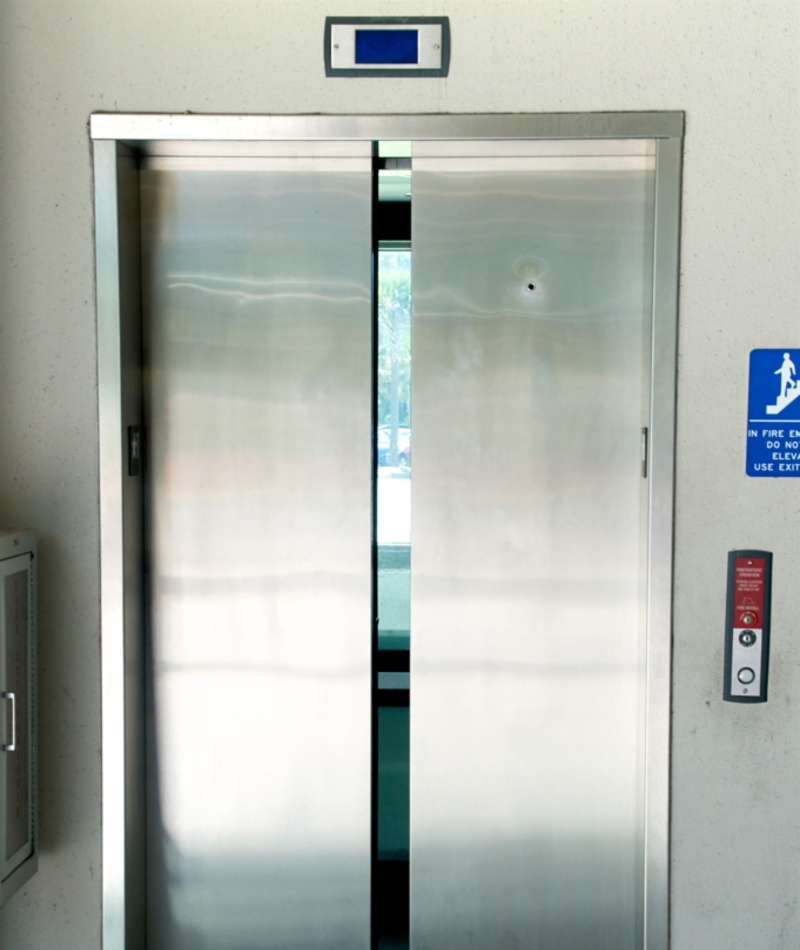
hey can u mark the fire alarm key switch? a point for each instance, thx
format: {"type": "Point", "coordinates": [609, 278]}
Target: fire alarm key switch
{"type": "Point", "coordinates": [747, 624]}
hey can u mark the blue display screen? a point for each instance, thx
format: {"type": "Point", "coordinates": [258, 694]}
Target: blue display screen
{"type": "Point", "coordinates": [387, 47]}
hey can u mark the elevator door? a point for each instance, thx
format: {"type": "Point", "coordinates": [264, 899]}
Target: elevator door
{"type": "Point", "coordinates": [532, 303]}
{"type": "Point", "coordinates": [531, 299]}
{"type": "Point", "coordinates": [258, 370]}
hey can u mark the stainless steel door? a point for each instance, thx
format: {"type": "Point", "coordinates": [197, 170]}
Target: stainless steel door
{"type": "Point", "coordinates": [532, 300]}
{"type": "Point", "coordinates": [258, 350]}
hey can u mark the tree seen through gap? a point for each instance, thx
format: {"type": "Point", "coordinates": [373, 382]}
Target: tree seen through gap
{"type": "Point", "coordinates": [394, 344]}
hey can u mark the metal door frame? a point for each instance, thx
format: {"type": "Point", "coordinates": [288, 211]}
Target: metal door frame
{"type": "Point", "coordinates": [119, 140]}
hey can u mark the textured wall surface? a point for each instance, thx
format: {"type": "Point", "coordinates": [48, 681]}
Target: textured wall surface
{"type": "Point", "coordinates": [731, 65]}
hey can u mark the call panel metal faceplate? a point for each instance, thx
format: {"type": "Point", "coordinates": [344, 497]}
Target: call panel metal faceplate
{"type": "Point", "coordinates": [747, 626]}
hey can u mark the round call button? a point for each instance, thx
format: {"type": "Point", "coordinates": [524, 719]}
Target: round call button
{"type": "Point", "coordinates": [746, 675]}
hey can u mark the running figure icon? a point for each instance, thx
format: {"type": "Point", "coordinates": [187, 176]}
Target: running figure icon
{"type": "Point", "coordinates": [789, 386]}
{"type": "Point", "coordinates": [787, 371]}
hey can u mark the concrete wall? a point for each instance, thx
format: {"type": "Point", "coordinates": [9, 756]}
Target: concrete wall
{"type": "Point", "coordinates": [731, 65]}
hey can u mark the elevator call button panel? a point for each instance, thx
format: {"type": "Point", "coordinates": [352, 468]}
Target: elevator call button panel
{"type": "Point", "coordinates": [747, 626]}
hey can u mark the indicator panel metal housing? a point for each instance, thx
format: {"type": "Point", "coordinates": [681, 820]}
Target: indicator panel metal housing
{"type": "Point", "coordinates": [356, 46]}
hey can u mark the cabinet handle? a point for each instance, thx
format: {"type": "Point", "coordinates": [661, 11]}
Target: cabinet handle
{"type": "Point", "coordinates": [12, 746]}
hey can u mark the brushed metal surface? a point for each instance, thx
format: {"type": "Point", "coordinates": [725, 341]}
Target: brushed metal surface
{"type": "Point", "coordinates": [666, 251]}
{"type": "Point", "coordinates": [116, 237]}
{"type": "Point", "coordinates": [138, 127]}
{"type": "Point", "coordinates": [119, 358]}
{"type": "Point", "coordinates": [132, 498]}
{"type": "Point", "coordinates": [532, 293]}
{"type": "Point", "coordinates": [112, 612]}
{"type": "Point", "coordinates": [258, 329]}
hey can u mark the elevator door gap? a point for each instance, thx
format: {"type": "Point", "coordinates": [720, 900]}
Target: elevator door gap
{"type": "Point", "coordinates": [392, 374]}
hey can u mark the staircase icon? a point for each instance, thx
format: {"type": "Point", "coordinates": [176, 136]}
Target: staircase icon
{"type": "Point", "coordinates": [784, 401]}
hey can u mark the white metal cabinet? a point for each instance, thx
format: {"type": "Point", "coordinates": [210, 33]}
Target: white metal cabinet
{"type": "Point", "coordinates": [17, 699]}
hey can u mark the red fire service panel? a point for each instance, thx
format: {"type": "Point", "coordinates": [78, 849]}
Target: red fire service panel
{"type": "Point", "coordinates": [747, 626]}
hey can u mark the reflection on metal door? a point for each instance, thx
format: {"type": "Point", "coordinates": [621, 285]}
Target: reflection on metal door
{"type": "Point", "coordinates": [532, 301]}
{"type": "Point", "coordinates": [258, 324]}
